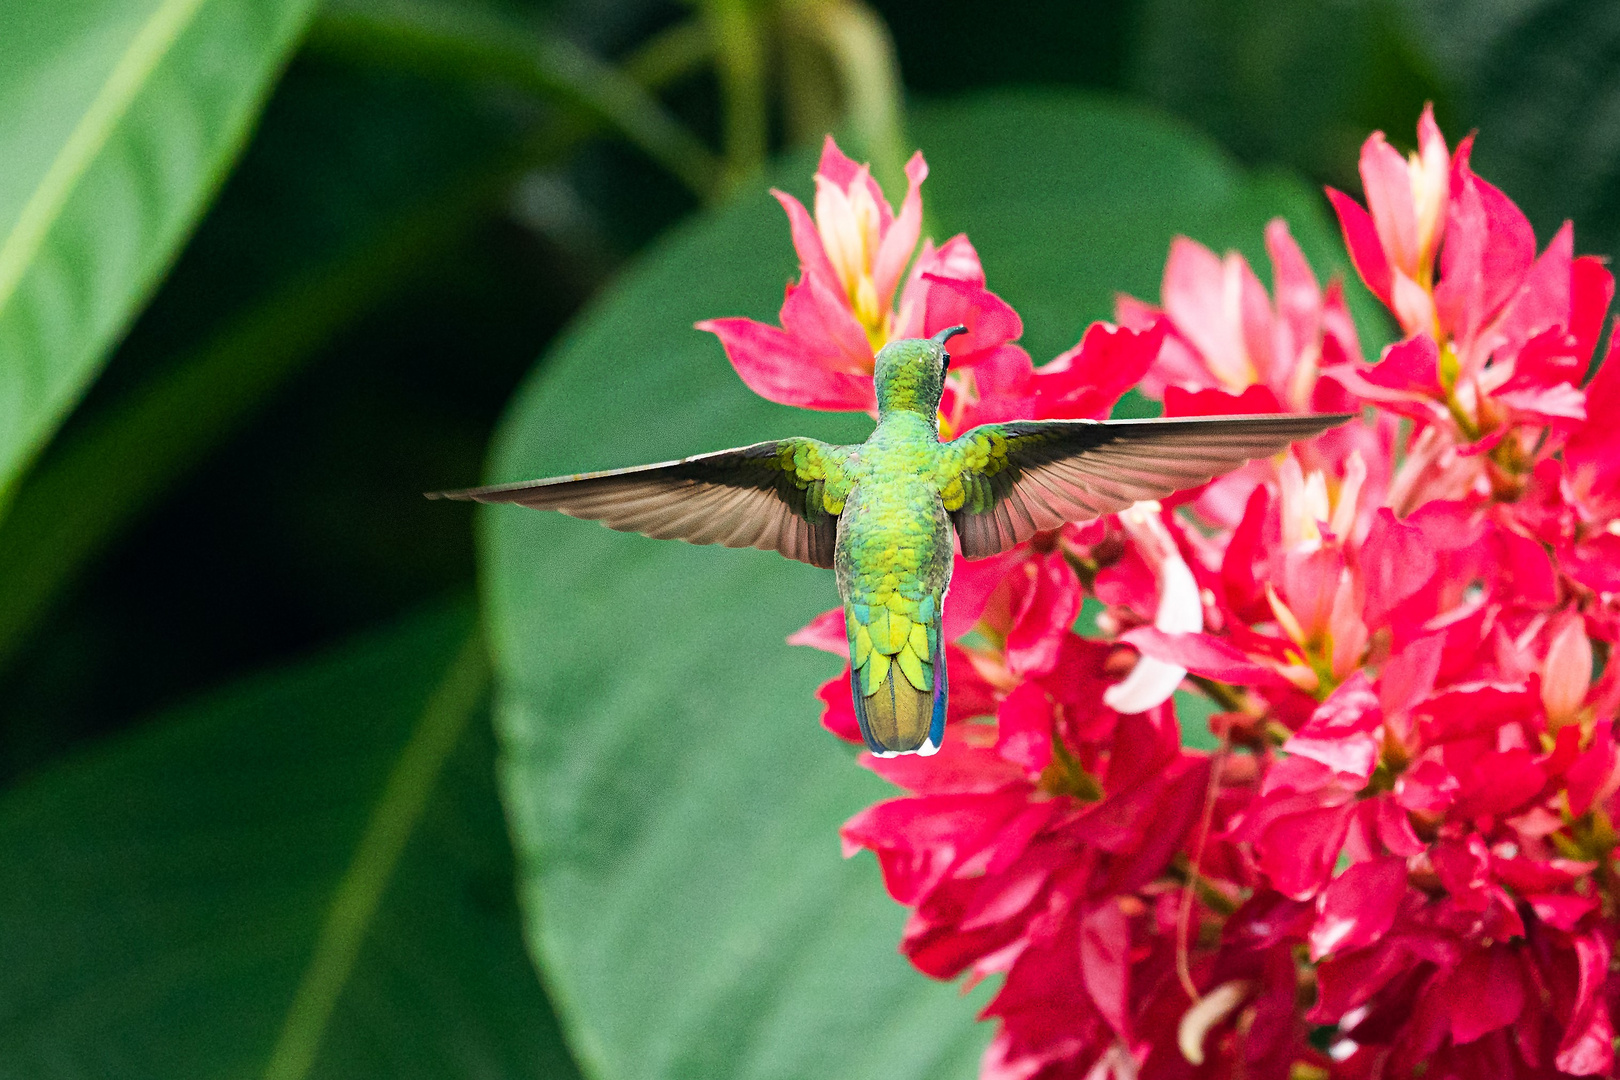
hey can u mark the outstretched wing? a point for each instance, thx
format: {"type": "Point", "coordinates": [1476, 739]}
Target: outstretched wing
{"type": "Point", "coordinates": [1016, 479]}
{"type": "Point", "coordinates": [779, 496]}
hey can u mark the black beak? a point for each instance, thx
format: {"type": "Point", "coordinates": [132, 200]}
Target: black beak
{"type": "Point", "coordinates": [946, 334]}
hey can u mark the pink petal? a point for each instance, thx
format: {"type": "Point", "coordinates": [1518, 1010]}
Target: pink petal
{"type": "Point", "coordinates": [1470, 709]}
{"type": "Point", "coordinates": [839, 168]}
{"type": "Point", "coordinates": [972, 582]}
{"type": "Point", "coordinates": [1046, 601]}
{"type": "Point", "coordinates": [1561, 406]}
{"type": "Point", "coordinates": [1005, 385]}
{"type": "Point", "coordinates": [1350, 710]}
{"type": "Point", "coordinates": [1361, 237]}
{"type": "Point", "coordinates": [1358, 907]}
{"type": "Point", "coordinates": [1413, 306]}
{"type": "Point", "coordinates": [1196, 299]}
{"type": "Point", "coordinates": [957, 769]}
{"type": "Point", "coordinates": [812, 254]}
{"type": "Point", "coordinates": [1594, 563]}
{"type": "Point", "coordinates": [1353, 756]}
{"type": "Point", "coordinates": [1409, 367]}
{"type": "Point", "coordinates": [1297, 849]}
{"type": "Point", "coordinates": [1105, 965]}
{"type": "Point", "coordinates": [1024, 728]}
{"type": "Point", "coordinates": [1562, 911]}
{"type": "Point", "coordinates": [1587, 1048]}
{"type": "Point", "coordinates": [1299, 310]}
{"type": "Point", "coordinates": [1388, 185]}
{"type": "Point", "coordinates": [1085, 382]}
{"type": "Point", "coordinates": [1203, 655]}
{"type": "Point", "coordinates": [1498, 782]}
{"type": "Point", "coordinates": [1410, 674]}
{"type": "Point", "coordinates": [1463, 867]}
{"type": "Point", "coordinates": [956, 260]}
{"type": "Point", "coordinates": [825, 632]}
{"type": "Point", "coordinates": [1524, 568]}
{"type": "Point", "coordinates": [1543, 300]}
{"type": "Point", "coordinates": [838, 709]}
{"type": "Point", "coordinates": [1428, 788]}
{"type": "Point", "coordinates": [1396, 562]}
{"type": "Point", "coordinates": [1591, 288]}
{"type": "Point", "coordinates": [775, 366]}
{"type": "Point", "coordinates": [1483, 994]}
{"type": "Point", "coordinates": [1133, 314]}
{"type": "Point", "coordinates": [900, 239]}
{"type": "Point", "coordinates": [1339, 341]}
{"type": "Point", "coordinates": [1593, 774]}
{"type": "Point", "coordinates": [1595, 446]}
{"type": "Point", "coordinates": [990, 320]}
{"type": "Point", "coordinates": [1394, 829]}
{"type": "Point", "coordinates": [920, 840]}
{"type": "Point", "coordinates": [1545, 360]}
{"type": "Point", "coordinates": [1180, 610]}
{"type": "Point", "coordinates": [823, 323]}
{"type": "Point", "coordinates": [1489, 249]}
{"type": "Point", "coordinates": [1253, 401]}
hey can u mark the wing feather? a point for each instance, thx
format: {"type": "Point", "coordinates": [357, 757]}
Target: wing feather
{"type": "Point", "coordinates": [1040, 473]}
{"type": "Point", "coordinates": [771, 495]}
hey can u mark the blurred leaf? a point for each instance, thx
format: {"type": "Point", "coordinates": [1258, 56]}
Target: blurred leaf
{"type": "Point", "coordinates": [171, 900]}
{"type": "Point", "coordinates": [351, 187]}
{"type": "Point", "coordinates": [1544, 90]}
{"type": "Point", "coordinates": [465, 42]}
{"type": "Point", "coordinates": [118, 119]}
{"type": "Point", "coordinates": [675, 803]}
{"type": "Point", "coordinates": [1296, 82]}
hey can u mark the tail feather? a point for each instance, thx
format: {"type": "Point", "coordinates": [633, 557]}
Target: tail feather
{"type": "Point", "coordinates": [897, 717]}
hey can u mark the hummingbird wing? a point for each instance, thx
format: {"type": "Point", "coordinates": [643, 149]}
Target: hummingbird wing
{"type": "Point", "coordinates": [1025, 476]}
{"type": "Point", "coordinates": [778, 496]}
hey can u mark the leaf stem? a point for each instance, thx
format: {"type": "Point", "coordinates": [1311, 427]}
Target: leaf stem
{"type": "Point", "coordinates": [458, 41]}
{"type": "Point", "coordinates": [862, 51]}
{"type": "Point", "coordinates": [740, 58]}
{"type": "Point", "coordinates": [393, 820]}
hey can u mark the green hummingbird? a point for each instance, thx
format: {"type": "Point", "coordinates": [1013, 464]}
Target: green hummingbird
{"type": "Point", "coordinates": [882, 514]}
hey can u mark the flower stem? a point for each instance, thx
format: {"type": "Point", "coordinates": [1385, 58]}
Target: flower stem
{"type": "Point", "coordinates": [740, 58]}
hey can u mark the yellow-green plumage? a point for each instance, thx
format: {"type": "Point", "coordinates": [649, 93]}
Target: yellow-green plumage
{"type": "Point", "coordinates": [893, 561]}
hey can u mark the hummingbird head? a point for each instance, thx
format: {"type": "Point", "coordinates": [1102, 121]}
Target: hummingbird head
{"type": "Point", "coordinates": [910, 373]}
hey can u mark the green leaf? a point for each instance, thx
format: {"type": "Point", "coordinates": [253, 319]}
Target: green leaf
{"type": "Point", "coordinates": [352, 185]}
{"type": "Point", "coordinates": [674, 801]}
{"type": "Point", "coordinates": [306, 875]}
{"type": "Point", "coordinates": [117, 120]}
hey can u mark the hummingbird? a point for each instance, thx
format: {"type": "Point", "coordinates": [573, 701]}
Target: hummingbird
{"type": "Point", "coordinates": [882, 514]}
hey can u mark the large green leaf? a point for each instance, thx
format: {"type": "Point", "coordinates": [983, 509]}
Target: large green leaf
{"type": "Point", "coordinates": [304, 876]}
{"type": "Point", "coordinates": [117, 120]}
{"type": "Point", "coordinates": [674, 801]}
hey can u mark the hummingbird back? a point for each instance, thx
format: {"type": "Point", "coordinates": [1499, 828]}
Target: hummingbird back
{"type": "Point", "coordinates": [893, 561]}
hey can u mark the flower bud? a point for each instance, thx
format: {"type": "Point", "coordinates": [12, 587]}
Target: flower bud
{"type": "Point", "coordinates": [1567, 673]}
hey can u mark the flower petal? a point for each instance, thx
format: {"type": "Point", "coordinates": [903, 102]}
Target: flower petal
{"type": "Point", "coordinates": [1361, 237]}
{"type": "Point", "coordinates": [1358, 907]}
{"type": "Point", "coordinates": [776, 366]}
{"type": "Point", "coordinates": [900, 238]}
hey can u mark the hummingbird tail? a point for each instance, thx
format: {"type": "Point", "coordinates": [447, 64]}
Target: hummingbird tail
{"type": "Point", "coordinates": [897, 717]}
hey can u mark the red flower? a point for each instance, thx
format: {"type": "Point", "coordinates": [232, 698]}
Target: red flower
{"type": "Point", "coordinates": [852, 259]}
{"type": "Point", "coordinates": [1405, 849]}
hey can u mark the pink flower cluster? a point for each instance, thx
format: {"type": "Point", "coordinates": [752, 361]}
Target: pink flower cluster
{"type": "Point", "coordinates": [1400, 862]}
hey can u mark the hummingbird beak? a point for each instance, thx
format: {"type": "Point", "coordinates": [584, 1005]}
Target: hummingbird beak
{"type": "Point", "coordinates": [946, 334]}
